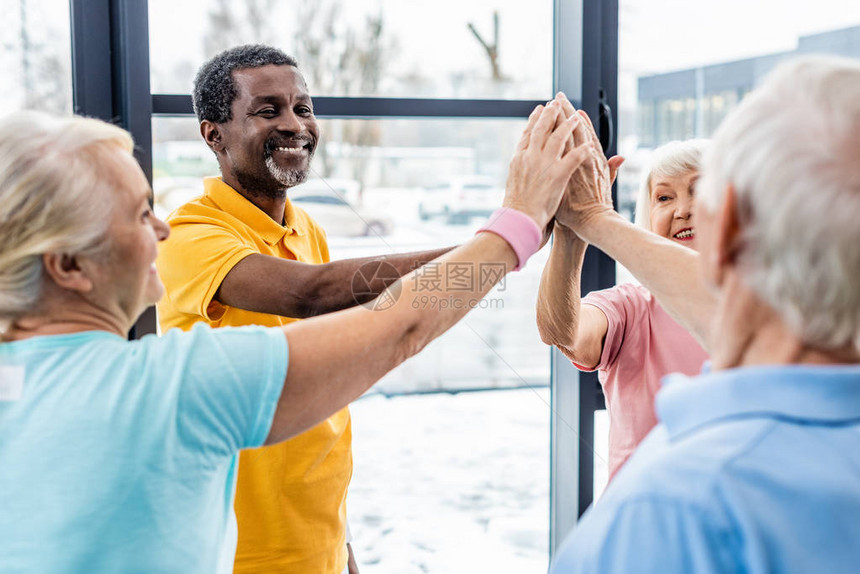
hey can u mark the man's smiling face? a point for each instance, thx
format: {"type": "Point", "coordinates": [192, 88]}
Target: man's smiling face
{"type": "Point", "coordinates": [272, 135]}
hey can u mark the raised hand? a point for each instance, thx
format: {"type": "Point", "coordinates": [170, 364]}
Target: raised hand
{"type": "Point", "coordinates": [589, 190]}
{"type": "Point", "coordinates": [544, 162]}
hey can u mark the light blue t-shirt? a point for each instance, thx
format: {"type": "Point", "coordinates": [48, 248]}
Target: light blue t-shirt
{"type": "Point", "coordinates": [753, 470]}
{"type": "Point", "coordinates": [117, 456]}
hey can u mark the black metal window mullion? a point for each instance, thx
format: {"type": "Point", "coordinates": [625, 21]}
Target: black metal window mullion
{"type": "Point", "coordinates": [600, 80]}
{"type": "Point", "coordinates": [110, 79]}
{"type": "Point", "coordinates": [366, 107]}
{"type": "Point", "coordinates": [586, 58]}
{"type": "Point", "coordinates": [110, 63]}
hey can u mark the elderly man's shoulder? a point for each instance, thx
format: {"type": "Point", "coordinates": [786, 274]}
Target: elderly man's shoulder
{"type": "Point", "coordinates": [196, 209]}
{"type": "Point", "coordinates": [669, 500]}
{"type": "Point", "coordinates": [202, 217]}
{"type": "Point", "coordinates": [731, 494]}
{"type": "Point", "coordinates": [691, 469]}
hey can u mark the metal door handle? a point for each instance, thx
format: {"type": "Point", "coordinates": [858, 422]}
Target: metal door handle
{"type": "Point", "coordinates": [606, 128]}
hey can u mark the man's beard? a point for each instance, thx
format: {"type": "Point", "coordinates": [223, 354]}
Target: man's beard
{"type": "Point", "coordinates": [286, 177]}
{"type": "Point", "coordinates": [273, 181]}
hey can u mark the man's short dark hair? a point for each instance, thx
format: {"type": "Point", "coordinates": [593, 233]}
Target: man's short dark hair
{"type": "Point", "coordinates": [214, 89]}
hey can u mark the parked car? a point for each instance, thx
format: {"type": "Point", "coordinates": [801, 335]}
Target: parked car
{"type": "Point", "coordinates": [434, 202]}
{"type": "Point", "coordinates": [326, 201]}
{"type": "Point", "coordinates": [462, 198]}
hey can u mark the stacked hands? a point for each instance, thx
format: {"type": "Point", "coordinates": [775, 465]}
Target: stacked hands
{"type": "Point", "coordinates": [559, 173]}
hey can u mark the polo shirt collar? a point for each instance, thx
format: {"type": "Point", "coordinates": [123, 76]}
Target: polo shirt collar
{"type": "Point", "coordinates": [238, 206]}
{"type": "Point", "coordinates": [810, 394]}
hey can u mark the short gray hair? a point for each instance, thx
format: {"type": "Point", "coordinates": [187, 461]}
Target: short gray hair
{"type": "Point", "coordinates": [54, 198]}
{"type": "Point", "coordinates": [791, 150]}
{"type": "Point", "coordinates": [214, 88]}
{"type": "Point", "coordinates": [672, 159]}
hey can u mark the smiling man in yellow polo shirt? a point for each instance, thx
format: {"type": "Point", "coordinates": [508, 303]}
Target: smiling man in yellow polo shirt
{"type": "Point", "coordinates": [242, 254]}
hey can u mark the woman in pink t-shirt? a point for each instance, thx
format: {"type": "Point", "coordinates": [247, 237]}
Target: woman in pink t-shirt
{"type": "Point", "coordinates": [623, 332]}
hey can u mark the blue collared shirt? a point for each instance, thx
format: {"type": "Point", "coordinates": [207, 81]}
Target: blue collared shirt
{"type": "Point", "coordinates": [750, 470]}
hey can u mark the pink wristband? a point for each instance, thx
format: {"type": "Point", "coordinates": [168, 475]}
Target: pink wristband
{"type": "Point", "coordinates": [518, 229]}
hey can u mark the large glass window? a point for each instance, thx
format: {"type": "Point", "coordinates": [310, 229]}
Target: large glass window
{"type": "Point", "coordinates": [387, 48]}
{"type": "Point", "coordinates": [679, 78]}
{"type": "Point", "coordinates": [422, 184]}
{"type": "Point", "coordinates": [390, 182]}
{"type": "Point", "coordinates": [35, 56]}
{"type": "Point", "coordinates": [430, 466]}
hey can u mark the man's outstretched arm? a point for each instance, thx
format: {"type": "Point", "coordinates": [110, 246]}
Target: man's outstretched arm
{"type": "Point", "coordinates": [266, 284]}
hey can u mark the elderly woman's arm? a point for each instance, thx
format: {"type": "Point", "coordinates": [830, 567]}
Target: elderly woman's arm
{"type": "Point", "coordinates": [335, 358]}
{"type": "Point", "coordinates": [577, 330]}
{"type": "Point", "coordinates": [670, 271]}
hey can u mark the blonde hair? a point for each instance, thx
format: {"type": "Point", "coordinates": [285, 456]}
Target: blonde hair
{"type": "Point", "coordinates": [54, 198]}
{"type": "Point", "coordinates": [791, 150]}
{"type": "Point", "coordinates": [670, 160]}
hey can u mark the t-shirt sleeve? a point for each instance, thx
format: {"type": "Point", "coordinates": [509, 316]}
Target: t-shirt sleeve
{"type": "Point", "coordinates": [224, 385]}
{"type": "Point", "coordinates": [622, 305]}
{"type": "Point", "coordinates": [649, 535]}
{"type": "Point", "coordinates": [193, 262]}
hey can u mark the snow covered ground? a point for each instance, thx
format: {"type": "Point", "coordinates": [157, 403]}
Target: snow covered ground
{"type": "Point", "coordinates": [453, 484]}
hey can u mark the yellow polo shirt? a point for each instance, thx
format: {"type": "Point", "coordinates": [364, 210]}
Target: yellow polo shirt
{"type": "Point", "coordinates": [290, 497]}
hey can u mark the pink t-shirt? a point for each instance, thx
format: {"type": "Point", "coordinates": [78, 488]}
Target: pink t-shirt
{"type": "Point", "coordinates": [643, 344]}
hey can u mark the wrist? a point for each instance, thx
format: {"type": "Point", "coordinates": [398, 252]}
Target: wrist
{"type": "Point", "coordinates": [564, 233]}
{"type": "Point", "coordinates": [518, 229]}
{"type": "Point", "coordinates": [540, 219]}
{"type": "Point", "coordinates": [589, 222]}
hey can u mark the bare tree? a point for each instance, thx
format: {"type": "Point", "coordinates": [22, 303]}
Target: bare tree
{"type": "Point", "coordinates": [342, 61]}
{"type": "Point", "coordinates": [233, 23]}
{"type": "Point", "coordinates": [492, 49]}
{"type": "Point", "coordinates": [45, 70]}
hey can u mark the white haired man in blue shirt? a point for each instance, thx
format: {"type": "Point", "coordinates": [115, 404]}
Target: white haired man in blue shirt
{"type": "Point", "coordinates": [754, 466]}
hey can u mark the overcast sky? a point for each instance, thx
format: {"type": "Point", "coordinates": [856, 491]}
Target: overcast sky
{"type": "Point", "coordinates": [665, 35]}
{"type": "Point", "coordinates": [656, 35]}
{"type": "Point", "coordinates": [432, 38]}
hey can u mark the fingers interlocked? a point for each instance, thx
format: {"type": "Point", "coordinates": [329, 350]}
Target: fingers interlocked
{"type": "Point", "coordinates": [545, 160]}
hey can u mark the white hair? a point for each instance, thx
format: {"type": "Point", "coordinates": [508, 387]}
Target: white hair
{"type": "Point", "coordinates": [672, 159]}
{"type": "Point", "coordinates": [791, 151]}
{"type": "Point", "coordinates": [54, 198]}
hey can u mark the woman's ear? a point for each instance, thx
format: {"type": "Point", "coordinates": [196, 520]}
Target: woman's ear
{"type": "Point", "coordinates": [66, 272]}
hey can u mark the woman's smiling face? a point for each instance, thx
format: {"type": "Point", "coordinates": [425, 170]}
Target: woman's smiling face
{"type": "Point", "coordinates": [672, 207]}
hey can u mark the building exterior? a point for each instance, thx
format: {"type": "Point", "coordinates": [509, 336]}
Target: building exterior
{"type": "Point", "coordinates": [691, 103]}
